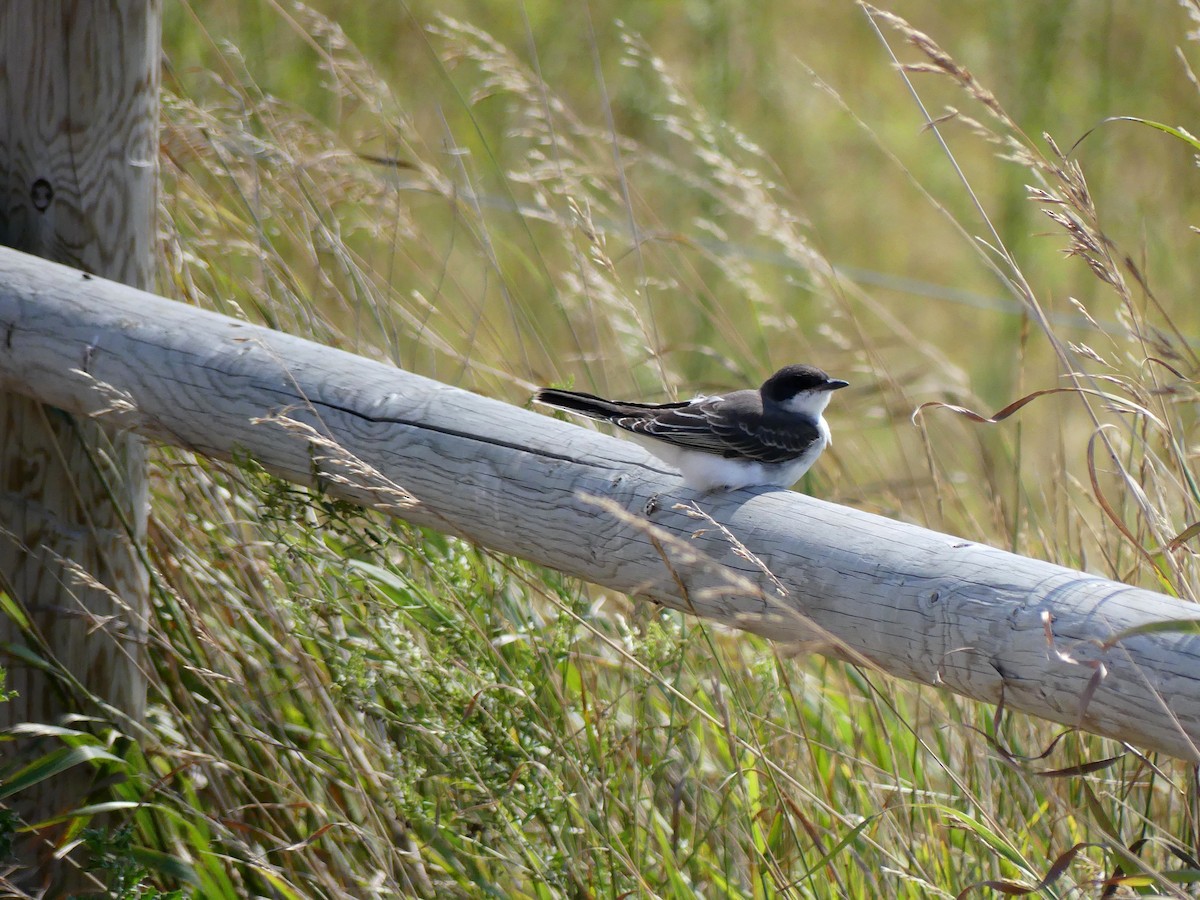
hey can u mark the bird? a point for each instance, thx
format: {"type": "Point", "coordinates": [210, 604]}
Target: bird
{"type": "Point", "coordinates": [767, 437]}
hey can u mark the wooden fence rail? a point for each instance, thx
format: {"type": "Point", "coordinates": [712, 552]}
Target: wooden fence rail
{"type": "Point", "coordinates": [917, 604]}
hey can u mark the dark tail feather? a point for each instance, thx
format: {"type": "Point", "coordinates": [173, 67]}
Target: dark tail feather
{"type": "Point", "coordinates": [578, 402]}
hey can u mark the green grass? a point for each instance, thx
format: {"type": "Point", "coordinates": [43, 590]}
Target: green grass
{"type": "Point", "coordinates": [346, 706]}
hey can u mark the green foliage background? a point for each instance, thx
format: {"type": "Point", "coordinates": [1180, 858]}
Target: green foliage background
{"type": "Point", "coordinates": [643, 198]}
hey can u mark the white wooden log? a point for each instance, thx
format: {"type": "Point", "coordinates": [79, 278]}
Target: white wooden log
{"type": "Point", "coordinates": [919, 605]}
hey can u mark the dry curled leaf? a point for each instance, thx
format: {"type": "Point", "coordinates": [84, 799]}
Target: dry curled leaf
{"type": "Point", "coordinates": [1015, 889]}
{"type": "Point", "coordinates": [1120, 404]}
{"type": "Point", "coordinates": [994, 417]}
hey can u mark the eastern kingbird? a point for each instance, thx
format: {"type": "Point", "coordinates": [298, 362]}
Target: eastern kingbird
{"type": "Point", "coordinates": [767, 437]}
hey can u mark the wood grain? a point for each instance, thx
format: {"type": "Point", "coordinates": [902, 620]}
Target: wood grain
{"type": "Point", "coordinates": [78, 150]}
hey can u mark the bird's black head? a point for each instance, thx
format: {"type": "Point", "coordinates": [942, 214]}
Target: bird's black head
{"type": "Point", "coordinates": [796, 379]}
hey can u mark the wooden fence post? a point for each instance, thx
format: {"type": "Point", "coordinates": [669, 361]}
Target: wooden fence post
{"type": "Point", "coordinates": [78, 146]}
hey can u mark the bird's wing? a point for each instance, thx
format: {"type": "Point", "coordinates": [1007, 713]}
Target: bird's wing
{"type": "Point", "coordinates": [765, 439]}
{"type": "Point", "coordinates": [735, 430]}
{"type": "Point", "coordinates": [685, 425]}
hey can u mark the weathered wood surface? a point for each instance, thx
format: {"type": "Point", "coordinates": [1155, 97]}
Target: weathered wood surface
{"type": "Point", "coordinates": [78, 170]}
{"type": "Point", "coordinates": [918, 604]}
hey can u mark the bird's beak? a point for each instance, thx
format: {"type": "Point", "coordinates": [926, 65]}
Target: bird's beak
{"type": "Point", "coordinates": [834, 384]}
